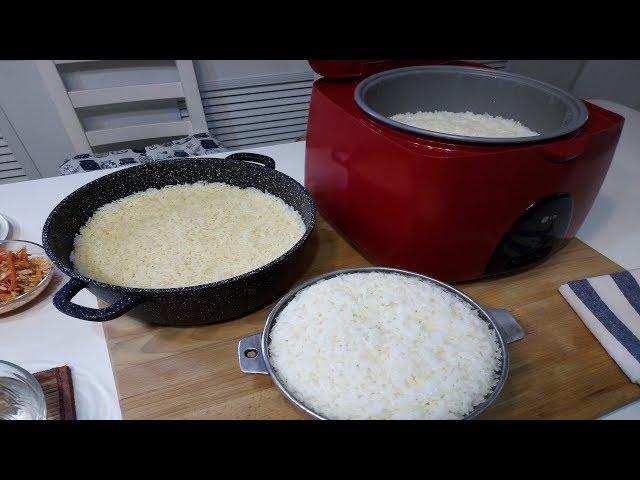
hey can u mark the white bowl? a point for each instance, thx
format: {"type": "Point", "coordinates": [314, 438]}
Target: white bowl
{"type": "Point", "coordinates": [35, 250]}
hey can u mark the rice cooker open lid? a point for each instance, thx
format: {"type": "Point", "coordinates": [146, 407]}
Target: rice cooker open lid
{"type": "Point", "coordinates": [544, 108]}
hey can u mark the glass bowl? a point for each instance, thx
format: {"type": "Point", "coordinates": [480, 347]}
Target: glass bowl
{"type": "Point", "coordinates": [21, 396]}
{"type": "Point", "coordinates": [35, 250]}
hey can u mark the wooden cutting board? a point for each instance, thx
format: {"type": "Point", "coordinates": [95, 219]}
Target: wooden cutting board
{"type": "Point", "coordinates": [559, 370]}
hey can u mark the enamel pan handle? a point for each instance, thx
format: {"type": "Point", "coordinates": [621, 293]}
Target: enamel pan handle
{"type": "Point", "coordinates": [510, 330]}
{"type": "Point", "coordinates": [62, 301]}
{"type": "Point", "coordinates": [250, 355]}
{"type": "Point", "coordinates": [253, 158]}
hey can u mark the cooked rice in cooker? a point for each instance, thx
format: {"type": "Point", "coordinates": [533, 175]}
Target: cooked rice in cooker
{"type": "Point", "coordinates": [384, 346]}
{"type": "Point", "coordinates": [465, 123]}
{"type": "Point", "coordinates": [184, 235]}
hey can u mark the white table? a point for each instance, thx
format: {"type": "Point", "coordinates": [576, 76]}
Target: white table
{"type": "Point", "coordinates": [42, 335]}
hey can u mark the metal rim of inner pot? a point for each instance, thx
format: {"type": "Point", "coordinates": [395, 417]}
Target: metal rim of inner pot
{"type": "Point", "coordinates": [576, 113]}
{"type": "Point", "coordinates": [506, 327]}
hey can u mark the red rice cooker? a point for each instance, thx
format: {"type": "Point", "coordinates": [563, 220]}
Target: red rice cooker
{"type": "Point", "coordinates": [449, 206]}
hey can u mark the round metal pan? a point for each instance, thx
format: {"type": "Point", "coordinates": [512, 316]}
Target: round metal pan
{"type": "Point", "coordinates": [253, 351]}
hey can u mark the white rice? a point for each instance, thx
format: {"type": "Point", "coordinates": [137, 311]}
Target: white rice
{"type": "Point", "coordinates": [465, 123]}
{"type": "Point", "coordinates": [384, 346]}
{"type": "Point", "coordinates": [185, 235]}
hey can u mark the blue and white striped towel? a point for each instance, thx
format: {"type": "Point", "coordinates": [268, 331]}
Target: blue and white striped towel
{"type": "Point", "coordinates": [609, 306]}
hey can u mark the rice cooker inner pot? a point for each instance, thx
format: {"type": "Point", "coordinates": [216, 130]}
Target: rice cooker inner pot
{"type": "Point", "coordinates": [544, 108]}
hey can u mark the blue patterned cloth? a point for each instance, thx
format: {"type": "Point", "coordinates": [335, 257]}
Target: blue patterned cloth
{"type": "Point", "coordinates": [609, 305]}
{"type": "Point", "coordinates": [191, 146]}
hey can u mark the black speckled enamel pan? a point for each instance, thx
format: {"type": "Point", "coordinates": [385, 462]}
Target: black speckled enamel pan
{"type": "Point", "coordinates": [200, 304]}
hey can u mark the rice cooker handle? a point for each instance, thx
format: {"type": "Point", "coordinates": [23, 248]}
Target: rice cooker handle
{"type": "Point", "coordinates": [250, 355]}
{"type": "Point", "coordinates": [62, 301]}
{"type": "Point", "coordinates": [510, 330]}
{"type": "Point", "coordinates": [560, 152]}
{"type": "Point", "coordinates": [253, 158]}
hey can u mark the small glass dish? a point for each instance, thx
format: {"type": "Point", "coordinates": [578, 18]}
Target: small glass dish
{"type": "Point", "coordinates": [34, 250]}
{"type": "Point", "coordinates": [21, 396]}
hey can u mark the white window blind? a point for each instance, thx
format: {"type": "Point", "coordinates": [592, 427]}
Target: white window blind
{"type": "Point", "coordinates": [10, 169]}
{"type": "Point", "coordinates": [256, 111]}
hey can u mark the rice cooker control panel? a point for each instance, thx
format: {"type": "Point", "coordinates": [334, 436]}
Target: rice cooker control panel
{"type": "Point", "coordinates": [539, 231]}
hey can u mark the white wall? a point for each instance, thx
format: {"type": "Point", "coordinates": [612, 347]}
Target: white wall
{"type": "Point", "coordinates": [615, 80]}
{"type": "Point", "coordinates": [561, 73]}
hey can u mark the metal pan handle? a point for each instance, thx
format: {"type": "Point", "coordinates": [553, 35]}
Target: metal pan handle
{"type": "Point", "coordinates": [510, 330]}
{"type": "Point", "coordinates": [250, 355]}
{"type": "Point", "coordinates": [253, 158]}
{"type": "Point", "coordinates": [62, 301]}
